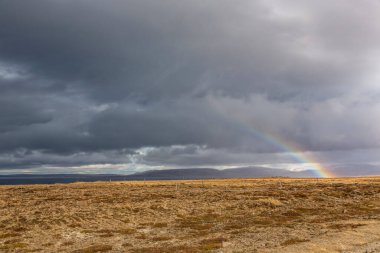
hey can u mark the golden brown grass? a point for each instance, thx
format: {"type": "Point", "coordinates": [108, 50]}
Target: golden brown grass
{"type": "Point", "coordinates": [94, 248]}
{"type": "Point", "coordinates": [239, 215]}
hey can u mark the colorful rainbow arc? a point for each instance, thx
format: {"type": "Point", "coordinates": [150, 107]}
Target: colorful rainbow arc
{"type": "Point", "coordinates": [295, 152]}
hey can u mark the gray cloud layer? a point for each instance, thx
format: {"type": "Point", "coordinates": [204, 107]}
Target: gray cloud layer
{"type": "Point", "coordinates": [90, 82]}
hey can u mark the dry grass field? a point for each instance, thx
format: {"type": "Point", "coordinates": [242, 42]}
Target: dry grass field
{"type": "Point", "coordinates": [236, 215]}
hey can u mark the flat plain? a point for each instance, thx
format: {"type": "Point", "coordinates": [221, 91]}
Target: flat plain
{"type": "Point", "coordinates": [231, 215]}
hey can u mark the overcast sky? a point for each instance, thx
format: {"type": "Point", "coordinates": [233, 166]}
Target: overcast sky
{"type": "Point", "coordinates": [123, 86]}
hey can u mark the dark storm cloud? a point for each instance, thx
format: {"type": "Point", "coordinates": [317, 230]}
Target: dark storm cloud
{"type": "Point", "coordinates": [102, 77]}
{"type": "Point", "coordinates": [15, 115]}
{"type": "Point", "coordinates": [147, 49]}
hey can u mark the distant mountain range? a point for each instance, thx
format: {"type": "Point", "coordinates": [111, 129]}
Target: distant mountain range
{"type": "Point", "coordinates": [355, 170]}
{"type": "Point", "coordinates": [203, 173]}
{"type": "Point", "coordinates": [191, 173]}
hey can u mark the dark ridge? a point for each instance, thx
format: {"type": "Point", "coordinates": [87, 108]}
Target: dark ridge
{"type": "Point", "coordinates": [171, 174]}
{"type": "Point", "coordinates": [348, 170]}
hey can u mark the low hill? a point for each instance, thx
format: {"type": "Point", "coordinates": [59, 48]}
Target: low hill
{"type": "Point", "coordinates": [204, 173]}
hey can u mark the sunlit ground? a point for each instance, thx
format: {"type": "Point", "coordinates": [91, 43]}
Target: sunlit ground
{"type": "Point", "coordinates": [235, 215]}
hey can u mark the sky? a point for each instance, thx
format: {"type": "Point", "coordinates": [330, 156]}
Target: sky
{"type": "Point", "coordinates": [119, 86]}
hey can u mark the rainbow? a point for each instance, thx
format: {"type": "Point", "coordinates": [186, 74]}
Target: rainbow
{"type": "Point", "coordinates": [294, 151]}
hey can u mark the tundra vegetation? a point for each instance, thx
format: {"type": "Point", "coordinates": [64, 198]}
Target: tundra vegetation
{"type": "Point", "coordinates": [231, 215]}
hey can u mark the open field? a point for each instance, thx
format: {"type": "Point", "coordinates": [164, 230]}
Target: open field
{"type": "Point", "coordinates": [247, 215]}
